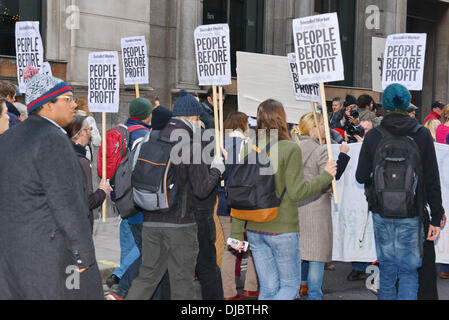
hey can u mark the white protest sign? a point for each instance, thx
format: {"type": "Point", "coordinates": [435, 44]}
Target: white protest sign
{"type": "Point", "coordinates": [46, 69]}
{"type": "Point", "coordinates": [213, 54]}
{"type": "Point", "coordinates": [29, 49]}
{"type": "Point", "coordinates": [303, 92]}
{"type": "Point", "coordinates": [377, 56]}
{"type": "Point", "coordinates": [135, 60]}
{"type": "Point", "coordinates": [404, 59]}
{"type": "Point", "coordinates": [104, 82]}
{"type": "Point", "coordinates": [318, 49]}
{"type": "Point", "coordinates": [353, 232]}
{"type": "Point", "coordinates": [442, 244]}
{"type": "Point", "coordinates": [254, 86]}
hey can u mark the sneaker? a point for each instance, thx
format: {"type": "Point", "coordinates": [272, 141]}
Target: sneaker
{"type": "Point", "coordinates": [237, 297]}
{"type": "Point", "coordinates": [329, 267]}
{"type": "Point", "coordinates": [113, 279]}
{"type": "Point", "coordinates": [303, 290]}
{"type": "Point", "coordinates": [357, 275]}
{"type": "Point", "coordinates": [444, 275]}
{"type": "Point", "coordinates": [112, 296]}
{"type": "Point", "coordinates": [251, 294]}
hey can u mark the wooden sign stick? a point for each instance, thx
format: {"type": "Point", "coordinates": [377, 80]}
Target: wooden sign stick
{"type": "Point", "coordinates": [137, 91]}
{"type": "Point", "coordinates": [316, 123]}
{"type": "Point", "coordinates": [216, 118]}
{"type": "Point", "coordinates": [221, 130]}
{"type": "Point", "coordinates": [328, 137]}
{"type": "Point", "coordinates": [104, 208]}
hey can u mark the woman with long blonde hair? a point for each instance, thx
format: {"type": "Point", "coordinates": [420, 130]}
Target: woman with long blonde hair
{"type": "Point", "coordinates": [314, 214]}
{"type": "Point", "coordinates": [275, 244]}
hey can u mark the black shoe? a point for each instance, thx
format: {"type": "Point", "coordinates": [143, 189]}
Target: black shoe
{"type": "Point", "coordinates": [113, 279]}
{"type": "Point", "coordinates": [357, 275]}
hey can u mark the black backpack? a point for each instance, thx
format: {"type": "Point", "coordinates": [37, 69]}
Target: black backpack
{"type": "Point", "coordinates": [397, 170]}
{"type": "Point", "coordinates": [251, 195]}
{"type": "Point", "coordinates": [153, 179]}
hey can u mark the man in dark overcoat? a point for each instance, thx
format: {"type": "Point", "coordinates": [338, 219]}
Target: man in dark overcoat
{"type": "Point", "coordinates": [46, 246]}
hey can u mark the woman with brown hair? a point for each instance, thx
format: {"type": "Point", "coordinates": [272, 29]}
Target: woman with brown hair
{"type": "Point", "coordinates": [82, 109]}
{"type": "Point", "coordinates": [236, 135]}
{"type": "Point", "coordinates": [275, 245]}
{"type": "Point", "coordinates": [79, 132]}
{"type": "Point", "coordinates": [315, 214]}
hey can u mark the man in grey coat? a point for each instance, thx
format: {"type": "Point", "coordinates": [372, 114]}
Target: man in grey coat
{"type": "Point", "coordinates": [46, 246]}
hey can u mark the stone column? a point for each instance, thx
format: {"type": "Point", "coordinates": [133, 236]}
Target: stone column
{"type": "Point", "coordinates": [57, 35]}
{"type": "Point", "coordinates": [393, 17]}
{"type": "Point", "coordinates": [278, 23]}
{"type": "Point", "coordinates": [189, 16]}
{"type": "Point", "coordinates": [442, 70]}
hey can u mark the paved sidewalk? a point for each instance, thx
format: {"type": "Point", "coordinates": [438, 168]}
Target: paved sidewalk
{"type": "Point", "coordinates": [107, 245]}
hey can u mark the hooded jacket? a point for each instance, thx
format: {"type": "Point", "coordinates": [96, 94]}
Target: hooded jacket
{"type": "Point", "coordinates": [192, 179]}
{"type": "Point", "coordinates": [402, 125]}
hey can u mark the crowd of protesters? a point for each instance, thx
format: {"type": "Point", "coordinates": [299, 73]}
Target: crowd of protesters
{"type": "Point", "coordinates": [47, 198]}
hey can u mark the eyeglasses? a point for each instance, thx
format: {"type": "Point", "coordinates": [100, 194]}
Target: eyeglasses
{"type": "Point", "coordinates": [89, 128]}
{"type": "Point", "coordinates": [68, 98]}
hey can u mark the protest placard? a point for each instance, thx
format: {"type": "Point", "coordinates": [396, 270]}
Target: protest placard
{"type": "Point", "coordinates": [303, 92]}
{"type": "Point", "coordinates": [135, 60]}
{"type": "Point", "coordinates": [377, 59]}
{"type": "Point", "coordinates": [213, 54]}
{"type": "Point", "coordinates": [318, 49]}
{"type": "Point", "coordinates": [404, 59]}
{"type": "Point", "coordinates": [104, 82]}
{"type": "Point", "coordinates": [29, 49]}
{"type": "Point", "coordinates": [46, 69]}
{"type": "Point", "coordinates": [254, 86]}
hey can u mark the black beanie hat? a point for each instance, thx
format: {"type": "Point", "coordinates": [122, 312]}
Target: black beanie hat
{"type": "Point", "coordinates": [160, 118]}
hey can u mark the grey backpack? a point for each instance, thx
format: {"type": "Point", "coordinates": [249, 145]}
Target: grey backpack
{"type": "Point", "coordinates": [124, 198]}
{"type": "Point", "coordinates": [153, 178]}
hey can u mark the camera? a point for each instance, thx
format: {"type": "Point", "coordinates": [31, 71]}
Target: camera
{"type": "Point", "coordinates": [353, 113]}
{"type": "Point", "coordinates": [353, 130]}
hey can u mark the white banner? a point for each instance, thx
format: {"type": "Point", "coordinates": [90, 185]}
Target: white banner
{"type": "Point", "coordinates": [303, 92]}
{"type": "Point", "coordinates": [213, 54]}
{"type": "Point", "coordinates": [254, 86]}
{"type": "Point", "coordinates": [104, 82]}
{"type": "Point", "coordinates": [29, 49]}
{"type": "Point", "coordinates": [404, 58]}
{"type": "Point", "coordinates": [46, 69]}
{"type": "Point", "coordinates": [377, 56]}
{"type": "Point", "coordinates": [318, 49]}
{"type": "Point", "coordinates": [135, 60]}
{"type": "Point", "coordinates": [352, 224]}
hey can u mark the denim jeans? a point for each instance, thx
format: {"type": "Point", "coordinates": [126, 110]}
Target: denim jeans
{"type": "Point", "coordinates": [397, 247]}
{"type": "Point", "coordinates": [278, 264]}
{"type": "Point", "coordinates": [129, 252]}
{"type": "Point", "coordinates": [312, 273]}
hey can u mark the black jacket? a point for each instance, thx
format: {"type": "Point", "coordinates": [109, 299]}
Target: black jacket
{"type": "Point", "coordinates": [401, 125]}
{"type": "Point", "coordinates": [335, 118]}
{"type": "Point", "coordinates": [96, 198]}
{"type": "Point", "coordinates": [196, 179]}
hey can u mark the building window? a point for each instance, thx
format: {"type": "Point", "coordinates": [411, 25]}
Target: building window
{"type": "Point", "coordinates": [246, 22]}
{"type": "Point", "coordinates": [12, 11]}
{"type": "Point", "coordinates": [346, 10]}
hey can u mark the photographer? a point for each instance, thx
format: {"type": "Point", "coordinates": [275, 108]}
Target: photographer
{"type": "Point", "coordinates": [351, 122]}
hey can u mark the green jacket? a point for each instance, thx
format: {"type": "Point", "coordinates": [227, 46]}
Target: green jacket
{"type": "Point", "coordinates": [289, 175]}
